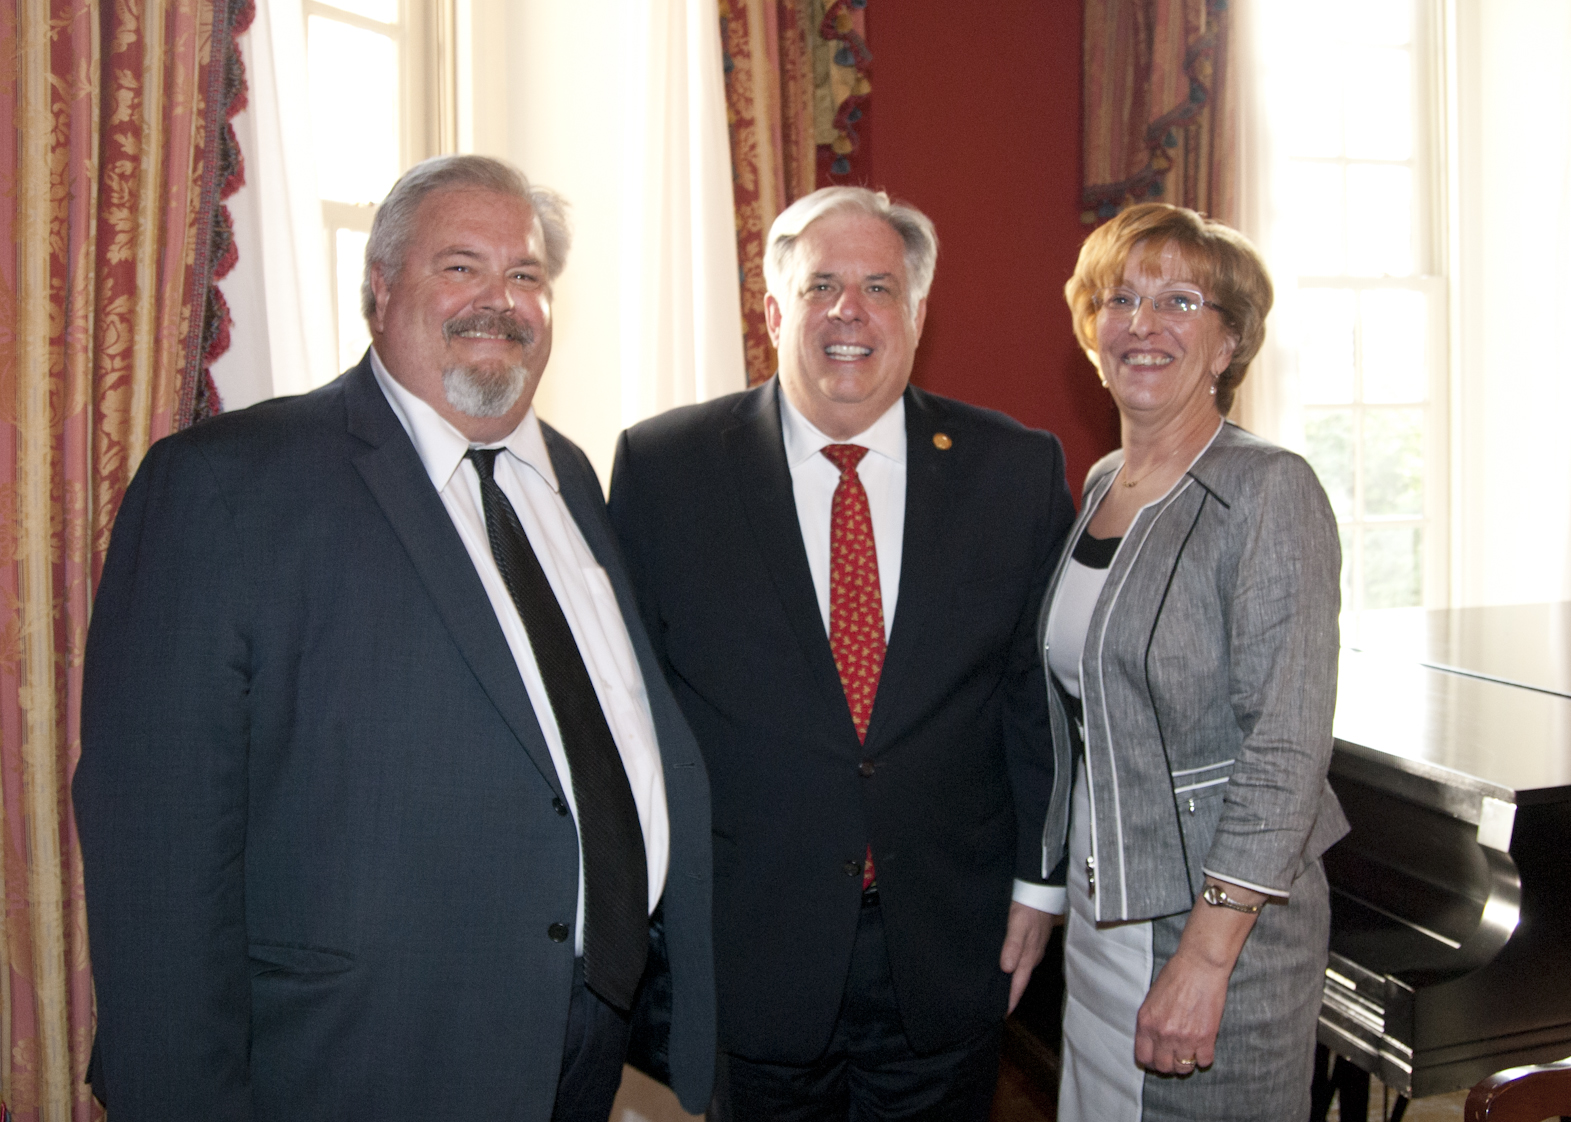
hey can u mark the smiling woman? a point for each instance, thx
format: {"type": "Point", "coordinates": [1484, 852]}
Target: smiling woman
{"type": "Point", "coordinates": [1199, 585]}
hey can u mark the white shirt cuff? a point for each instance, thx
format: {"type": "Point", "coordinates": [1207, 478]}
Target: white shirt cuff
{"type": "Point", "coordinates": [1043, 897]}
{"type": "Point", "coordinates": [1277, 892]}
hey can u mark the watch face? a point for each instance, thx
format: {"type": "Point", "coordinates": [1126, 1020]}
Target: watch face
{"type": "Point", "coordinates": [1217, 896]}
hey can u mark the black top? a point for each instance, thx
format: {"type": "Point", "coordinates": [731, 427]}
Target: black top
{"type": "Point", "coordinates": [1095, 553]}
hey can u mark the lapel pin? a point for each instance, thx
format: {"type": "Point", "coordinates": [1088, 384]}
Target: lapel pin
{"type": "Point", "coordinates": [942, 442]}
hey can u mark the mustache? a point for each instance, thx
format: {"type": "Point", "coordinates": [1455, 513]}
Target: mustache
{"type": "Point", "coordinates": [490, 323]}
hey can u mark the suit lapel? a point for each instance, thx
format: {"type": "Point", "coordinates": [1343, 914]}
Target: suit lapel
{"type": "Point", "coordinates": [398, 481]}
{"type": "Point", "coordinates": [926, 577]}
{"type": "Point", "coordinates": [755, 460]}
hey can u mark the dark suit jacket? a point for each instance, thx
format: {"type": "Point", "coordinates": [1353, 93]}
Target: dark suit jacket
{"type": "Point", "coordinates": [319, 821]}
{"type": "Point", "coordinates": [958, 747]}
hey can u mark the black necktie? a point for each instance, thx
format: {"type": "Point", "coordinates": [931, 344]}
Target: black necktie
{"type": "Point", "coordinates": [616, 877]}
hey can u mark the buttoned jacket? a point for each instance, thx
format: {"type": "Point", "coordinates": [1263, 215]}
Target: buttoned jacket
{"type": "Point", "coordinates": [950, 786]}
{"type": "Point", "coordinates": [330, 867]}
{"type": "Point", "coordinates": [1208, 682]}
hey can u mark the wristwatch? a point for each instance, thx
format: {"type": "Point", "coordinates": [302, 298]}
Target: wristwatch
{"type": "Point", "coordinates": [1217, 897]}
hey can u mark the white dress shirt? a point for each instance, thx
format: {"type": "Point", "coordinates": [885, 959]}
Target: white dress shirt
{"type": "Point", "coordinates": [883, 474]}
{"type": "Point", "coordinates": [582, 589]}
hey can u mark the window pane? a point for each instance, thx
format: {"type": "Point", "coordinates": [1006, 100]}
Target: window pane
{"type": "Point", "coordinates": [384, 10]}
{"type": "Point", "coordinates": [1316, 199]}
{"type": "Point", "coordinates": [353, 335]}
{"type": "Point", "coordinates": [1379, 96]}
{"type": "Point", "coordinates": [1313, 106]}
{"type": "Point", "coordinates": [1394, 463]}
{"type": "Point", "coordinates": [354, 110]}
{"type": "Point", "coordinates": [1328, 441]}
{"type": "Point", "coordinates": [1393, 567]}
{"type": "Point", "coordinates": [1394, 346]}
{"type": "Point", "coordinates": [1325, 357]}
{"type": "Point", "coordinates": [1379, 220]}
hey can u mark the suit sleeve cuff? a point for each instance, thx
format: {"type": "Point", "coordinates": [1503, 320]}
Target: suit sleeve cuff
{"type": "Point", "coordinates": [1042, 897]}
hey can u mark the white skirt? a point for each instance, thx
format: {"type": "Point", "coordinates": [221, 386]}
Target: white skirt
{"type": "Point", "coordinates": [1107, 972]}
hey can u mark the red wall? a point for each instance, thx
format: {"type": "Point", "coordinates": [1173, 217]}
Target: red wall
{"type": "Point", "coordinates": [975, 118]}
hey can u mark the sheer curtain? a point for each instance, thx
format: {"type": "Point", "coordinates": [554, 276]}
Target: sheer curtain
{"type": "Point", "coordinates": [647, 314]}
{"type": "Point", "coordinates": [281, 341]}
{"type": "Point", "coordinates": [1511, 469]}
{"type": "Point", "coordinates": [1266, 404]}
{"type": "Point", "coordinates": [682, 334]}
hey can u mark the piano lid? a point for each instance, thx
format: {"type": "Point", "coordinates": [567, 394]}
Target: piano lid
{"type": "Point", "coordinates": [1461, 709]}
{"type": "Point", "coordinates": [1524, 644]}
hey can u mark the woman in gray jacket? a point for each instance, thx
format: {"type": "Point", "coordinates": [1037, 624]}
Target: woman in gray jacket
{"type": "Point", "coordinates": [1191, 637]}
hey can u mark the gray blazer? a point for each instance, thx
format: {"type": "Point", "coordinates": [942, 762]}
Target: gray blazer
{"type": "Point", "coordinates": [1209, 680]}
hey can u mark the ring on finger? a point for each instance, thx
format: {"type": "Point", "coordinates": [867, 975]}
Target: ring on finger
{"type": "Point", "coordinates": [1186, 1063]}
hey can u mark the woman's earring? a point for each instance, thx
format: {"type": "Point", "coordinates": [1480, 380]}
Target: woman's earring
{"type": "Point", "coordinates": [1213, 387]}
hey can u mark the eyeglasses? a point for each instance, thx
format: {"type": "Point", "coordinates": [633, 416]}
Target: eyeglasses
{"type": "Point", "coordinates": [1175, 303]}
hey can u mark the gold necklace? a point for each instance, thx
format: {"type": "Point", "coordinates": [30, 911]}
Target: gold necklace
{"type": "Point", "coordinates": [1160, 464]}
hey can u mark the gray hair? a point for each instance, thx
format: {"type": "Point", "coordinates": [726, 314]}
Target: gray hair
{"type": "Point", "coordinates": [394, 225]}
{"type": "Point", "coordinates": [915, 230]}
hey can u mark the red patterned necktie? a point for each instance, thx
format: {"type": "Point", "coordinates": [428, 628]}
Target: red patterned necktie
{"type": "Point", "coordinates": [856, 600]}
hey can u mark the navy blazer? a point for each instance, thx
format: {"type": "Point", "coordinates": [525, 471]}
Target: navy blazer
{"type": "Point", "coordinates": [951, 786]}
{"type": "Point", "coordinates": [319, 822]}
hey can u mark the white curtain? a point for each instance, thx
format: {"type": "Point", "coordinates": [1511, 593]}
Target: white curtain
{"type": "Point", "coordinates": [1266, 404]}
{"type": "Point", "coordinates": [1511, 520]}
{"type": "Point", "coordinates": [282, 339]}
{"type": "Point", "coordinates": [647, 314]}
{"type": "Point", "coordinates": [682, 335]}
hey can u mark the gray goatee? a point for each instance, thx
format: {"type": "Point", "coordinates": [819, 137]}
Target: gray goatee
{"type": "Point", "coordinates": [491, 390]}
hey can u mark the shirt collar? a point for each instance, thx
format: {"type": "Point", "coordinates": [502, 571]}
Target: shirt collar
{"type": "Point", "coordinates": [803, 440]}
{"type": "Point", "coordinates": [441, 447]}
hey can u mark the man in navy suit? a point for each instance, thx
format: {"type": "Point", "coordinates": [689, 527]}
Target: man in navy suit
{"type": "Point", "coordinates": [841, 575]}
{"type": "Point", "coordinates": [385, 806]}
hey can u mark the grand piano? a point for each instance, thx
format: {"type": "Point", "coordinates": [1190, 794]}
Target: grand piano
{"type": "Point", "coordinates": [1451, 899]}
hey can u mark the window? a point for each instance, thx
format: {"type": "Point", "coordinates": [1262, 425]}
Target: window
{"type": "Point", "coordinates": [381, 81]}
{"type": "Point", "coordinates": [1357, 123]}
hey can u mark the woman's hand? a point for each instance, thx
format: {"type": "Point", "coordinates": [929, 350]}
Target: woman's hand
{"type": "Point", "coordinates": [1175, 1031]}
{"type": "Point", "coordinates": [1180, 1016]}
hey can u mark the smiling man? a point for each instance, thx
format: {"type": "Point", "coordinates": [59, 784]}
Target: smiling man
{"type": "Point", "coordinates": [841, 575]}
{"type": "Point", "coordinates": [386, 809]}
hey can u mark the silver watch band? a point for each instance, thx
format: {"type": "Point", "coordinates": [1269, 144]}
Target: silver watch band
{"type": "Point", "coordinates": [1217, 897]}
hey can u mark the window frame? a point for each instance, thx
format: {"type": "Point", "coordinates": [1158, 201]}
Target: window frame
{"type": "Point", "coordinates": [1432, 232]}
{"type": "Point", "coordinates": [425, 35]}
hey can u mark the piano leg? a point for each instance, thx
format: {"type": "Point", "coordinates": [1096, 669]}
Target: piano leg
{"type": "Point", "coordinates": [1340, 1080]}
{"type": "Point", "coordinates": [1321, 1090]}
{"type": "Point", "coordinates": [1352, 1090]}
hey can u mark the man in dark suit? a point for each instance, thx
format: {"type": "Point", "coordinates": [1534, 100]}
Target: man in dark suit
{"type": "Point", "coordinates": [840, 575]}
{"type": "Point", "coordinates": [380, 781]}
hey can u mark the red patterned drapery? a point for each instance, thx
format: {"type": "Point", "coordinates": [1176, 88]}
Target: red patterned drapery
{"type": "Point", "coordinates": [107, 198]}
{"type": "Point", "coordinates": [1159, 107]}
{"type": "Point", "coordinates": [797, 83]}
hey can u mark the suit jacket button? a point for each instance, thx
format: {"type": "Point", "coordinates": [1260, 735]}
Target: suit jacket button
{"type": "Point", "coordinates": [866, 770]}
{"type": "Point", "coordinates": [853, 868]}
{"type": "Point", "coordinates": [561, 807]}
{"type": "Point", "coordinates": [558, 932]}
